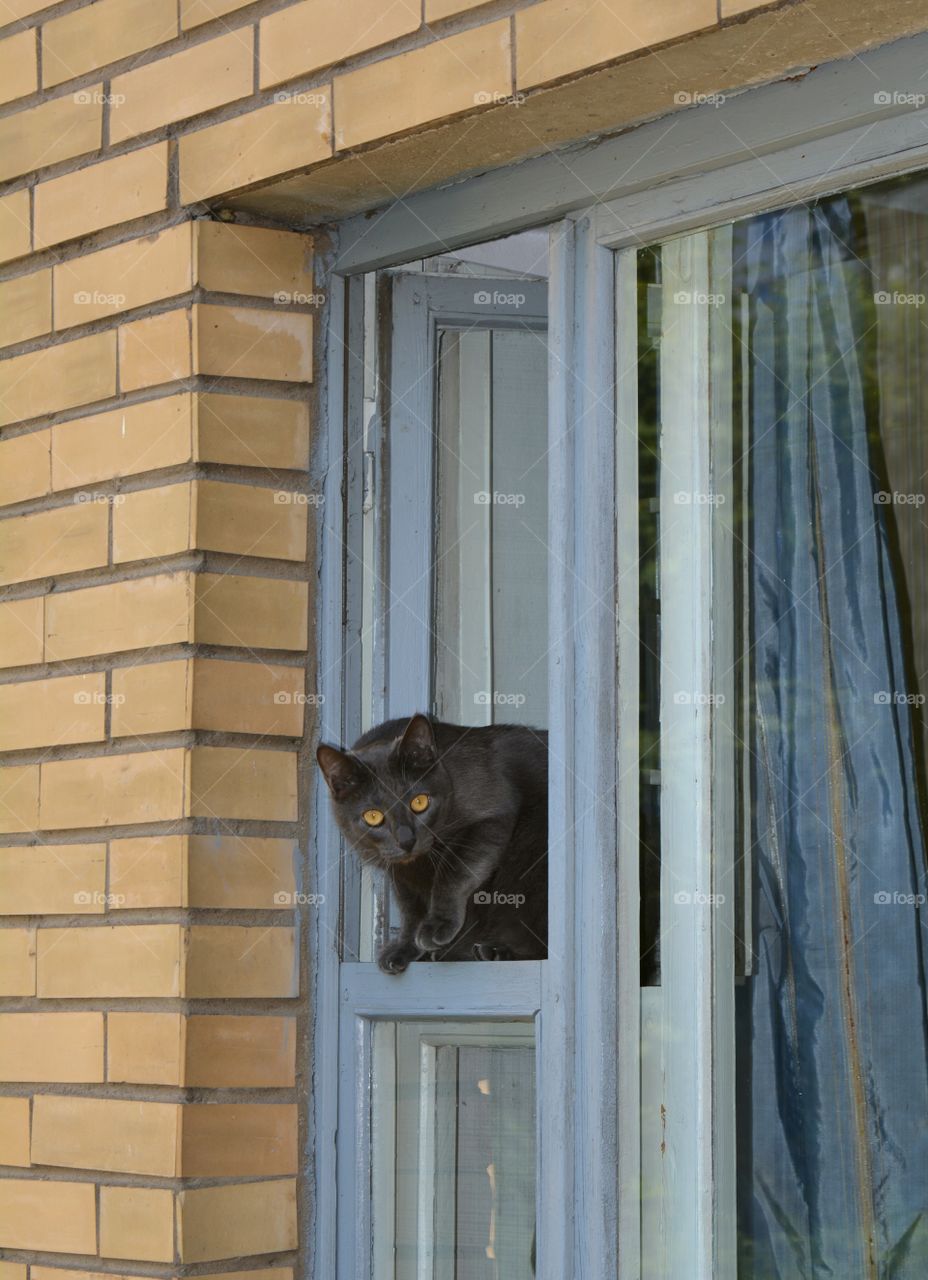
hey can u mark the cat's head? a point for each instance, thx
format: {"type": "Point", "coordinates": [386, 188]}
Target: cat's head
{"type": "Point", "coordinates": [390, 799]}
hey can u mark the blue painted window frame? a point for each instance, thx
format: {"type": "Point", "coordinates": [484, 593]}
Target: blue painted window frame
{"type": "Point", "coordinates": [759, 150]}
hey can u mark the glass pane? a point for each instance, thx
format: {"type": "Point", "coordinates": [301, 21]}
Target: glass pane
{"type": "Point", "coordinates": [825, 339]}
{"type": "Point", "coordinates": [491, 634]}
{"type": "Point", "coordinates": [454, 1151]}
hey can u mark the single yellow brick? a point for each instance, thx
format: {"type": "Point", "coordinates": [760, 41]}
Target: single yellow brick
{"type": "Point", "coordinates": [25, 307]}
{"type": "Point", "coordinates": [138, 614]}
{"type": "Point", "coordinates": [106, 1133]}
{"type": "Point", "coordinates": [307, 36]}
{"type": "Point", "coordinates": [247, 697]}
{"type": "Point", "coordinates": [154, 698]}
{"type": "Point", "coordinates": [122, 442]}
{"type": "Point", "coordinates": [223, 1140]}
{"type": "Point", "coordinates": [52, 879]}
{"type": "Point", "coordinates": [25, 467]}
{"type": "Point", "coordinates": [16, 1271]}
{"type": "Point", "coordinates": [241, 871]}
{"type": "Point", "coordinates": [152, 523]}
{"type": "Point", "coordinates": [238, 962]}
{"type": "Point", "coordinates": [184, 85]}
{"type": "Point", "coordinates": [53, 131]}
{"type": "Point", "coordinates": [242, 782]}
{"type": "Point", "coordinates": [53, 1217]}
{"type": "Point", "coordinates": [266, 143]}
{"type": "Point", "coordinates": [14, 1131]}
{"type": "Point", "coordinates": [562, 37]}
{"type": "Point", "coordinates": [145, 1048]}
{"type": "Point", "coordinates": [442, 79]}
{"type": "Point", "coordinates": [19, 71]}
{"type": "Point", "coordinates": [15, 224]}
{"type": "Point", "coordinates": [127, 276]}
{"type": "Point", "coordinates": [57, 377]}
{"type": "Point", "coordinates": [142, 786]}
{"type": "Point", "coordinates": [206, 693]}
{"type": "Point", "coordinates": [248, 431]}
{"type": "Point", "coordinates": [252, 613]}
{"type": "Point", "coordinates": [137, 1223]}
{"type": "Point", "coordinates": [254, 260]}
{"type": "Point", "coordinates": [48, 713]}
{"type": "Point", "coordinates": [240, 1052]}
{"type": "Point", "coordinates": [149, 871]}
{"type": "Point", "coordinates": [104, 194]}
{"type": "Point", "coordinates": [64, 540]}
{"type": "Point", "coordinates": [66, 1048]}
{"type": "Point", "coordinates": [193, 13]}
{"type": "Point", "coordinates": [248, 520]}
{"type": "Point", "coordinates": [238, 1220]}
{"type": "Point", "coordinates": [245, 342]}
{"type": "Point", "coordinates": [19, 798]}
{"type": "Point", "coordinates": [22, 632]}
{"type": "Point", "coordinates": [102, 33]}
{"type": "Point", "coordinates": [136, 961]}
{"type": "Point", "coordinates": [155, 350]}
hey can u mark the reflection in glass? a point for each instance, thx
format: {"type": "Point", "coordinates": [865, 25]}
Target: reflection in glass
{"type": "Point", "coordinates": [454, 1151]}
{"type": "Point", "coordinates": [491, 636]}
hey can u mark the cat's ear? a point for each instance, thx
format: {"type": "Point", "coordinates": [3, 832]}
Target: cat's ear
{"type": "Point", "coordinates": [417, 745]}
{"type": "Point", "coordinates": [339, 770]}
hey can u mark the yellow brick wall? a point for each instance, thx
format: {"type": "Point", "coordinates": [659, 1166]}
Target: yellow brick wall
{"type": "Point", "coordinates": [161, 322]}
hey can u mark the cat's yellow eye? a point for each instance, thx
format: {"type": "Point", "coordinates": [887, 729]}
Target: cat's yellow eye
{"type": "Point", "coordinates": [419, 803]}
{"type": "Point", "coordinates": [373, 817]}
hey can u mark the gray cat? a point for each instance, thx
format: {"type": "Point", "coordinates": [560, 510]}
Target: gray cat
{"type": "Point", "coordinates": [457, 818]}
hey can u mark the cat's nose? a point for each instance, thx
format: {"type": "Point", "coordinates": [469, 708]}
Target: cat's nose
{"type": "Point", "coordinates": [405, 838]}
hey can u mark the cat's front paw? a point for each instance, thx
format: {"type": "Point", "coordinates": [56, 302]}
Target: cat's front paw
{"type": "Point", "coordinates": [396, 957]}
{"type": "Point", "coordinates": [436, 932]}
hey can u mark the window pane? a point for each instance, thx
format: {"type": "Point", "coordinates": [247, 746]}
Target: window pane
{"type": "Point", "coordinates": [828, 344]}
{"type": "Point", "coordinates": [454, 1151]}
{"type": "Point", "coordinates": [491, 634]}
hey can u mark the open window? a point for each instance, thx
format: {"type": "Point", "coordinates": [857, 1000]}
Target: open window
{"type": "Point", "coordinates": [652, 479]}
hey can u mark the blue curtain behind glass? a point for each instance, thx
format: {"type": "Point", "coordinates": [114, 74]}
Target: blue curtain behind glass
{"type": "Point", "coordinates": [833, 1032]}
